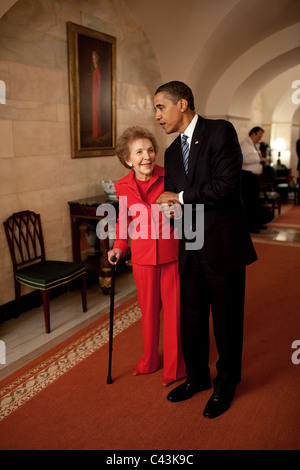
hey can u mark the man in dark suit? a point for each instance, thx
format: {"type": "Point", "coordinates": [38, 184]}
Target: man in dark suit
{"type": "Point", "coordinates": [212, 277]}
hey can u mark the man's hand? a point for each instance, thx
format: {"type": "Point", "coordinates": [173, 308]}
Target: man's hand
{"type": "Point", "coordinates": [169, 204]}
{"type": "Point", "coordinates": [168, 197]}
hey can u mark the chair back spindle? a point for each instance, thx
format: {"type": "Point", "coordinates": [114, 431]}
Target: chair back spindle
{"type": "Point", "coordinates": [25, 238]}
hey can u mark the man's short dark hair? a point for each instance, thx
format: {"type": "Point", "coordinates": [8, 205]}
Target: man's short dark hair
{"type": "Point", "coordinates": [256, 129]}
{"type": "Point", "coordinates": [175, 91]}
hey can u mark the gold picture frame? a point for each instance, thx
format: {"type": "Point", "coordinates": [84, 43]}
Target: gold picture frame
{"type": "Point", "coordinates": [92, 88]}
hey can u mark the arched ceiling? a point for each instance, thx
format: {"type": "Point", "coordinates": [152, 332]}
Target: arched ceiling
{"type": "Point", "coordinates": [277, 98]}
{"type": "Point", "coordinates": [242, 100]}
{"type": "Point", "coordinates": [285, 109]}
{"type": "Point", "coordinates": [226, 50]}
{"type": "Point", "coordinates": [207, 43]}
{"type": "Point", "coordinates": [5, 5]}
{"type": "Point", "coordinates": [252, 70]}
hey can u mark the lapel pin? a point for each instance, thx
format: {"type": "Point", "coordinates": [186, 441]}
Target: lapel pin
{"type": "Point", "coordinates": [197, 142]}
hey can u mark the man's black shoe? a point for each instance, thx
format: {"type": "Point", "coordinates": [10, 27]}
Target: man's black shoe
{"type": "Point", "coordinates": [218, 403]}
{"type": "Point", "coordinates": [187, 390]}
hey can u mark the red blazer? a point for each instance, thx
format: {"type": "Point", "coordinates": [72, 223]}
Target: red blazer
{"type": "Point", "coordinates": [152, 236]}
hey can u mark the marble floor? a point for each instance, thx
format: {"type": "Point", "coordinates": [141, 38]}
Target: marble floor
{"type": "Point", "coordinates": [280, 234]}
{"type": "Point", "coordinates": [25, 337]}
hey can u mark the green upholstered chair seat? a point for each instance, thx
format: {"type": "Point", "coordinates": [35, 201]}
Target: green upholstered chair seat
{"type": "Point", "coordinates": [49, 274]}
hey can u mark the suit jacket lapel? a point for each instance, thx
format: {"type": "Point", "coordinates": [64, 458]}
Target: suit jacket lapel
{"type": "Point", "coordinates": [196, 144]}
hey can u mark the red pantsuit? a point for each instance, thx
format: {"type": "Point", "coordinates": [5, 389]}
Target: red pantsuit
{"type": "Point", "coordinates": [155, 270]}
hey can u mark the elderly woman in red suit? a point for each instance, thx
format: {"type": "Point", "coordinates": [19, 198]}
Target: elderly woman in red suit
{"type": "Point", "coordinates": [154, 253]}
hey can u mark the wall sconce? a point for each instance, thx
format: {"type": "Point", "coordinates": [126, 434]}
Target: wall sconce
{"type": "Point", "coordinates": [279, 147]}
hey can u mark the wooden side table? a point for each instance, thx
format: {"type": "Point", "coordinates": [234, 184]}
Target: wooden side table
{"type": "Point", "coordinates": [81, 211]}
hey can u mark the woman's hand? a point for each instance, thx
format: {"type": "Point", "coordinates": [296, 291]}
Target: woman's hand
{"type": "Point", "coordinates": [172, 211]}
{"type": "Point", "coordinates": [115, 252]}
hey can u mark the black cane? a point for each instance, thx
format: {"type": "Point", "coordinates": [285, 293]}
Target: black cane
{"type": "Point", "coordinates": [111, 319]}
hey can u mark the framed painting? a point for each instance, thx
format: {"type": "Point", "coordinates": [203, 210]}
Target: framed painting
{"type": "Point", "coordinates": [92, 86]}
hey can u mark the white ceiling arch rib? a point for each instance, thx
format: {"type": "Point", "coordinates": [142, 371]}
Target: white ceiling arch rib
{"type": "Point", "coordinates": [5, 5]}
{"type": "Point", "coordinates": [242, 100]}
{"type": "Point", "coordinates": [285, 110]}
{"type": "Point", "coordinates": [235, 89]}
{"type": "Point", "coordinates": [277, 97]}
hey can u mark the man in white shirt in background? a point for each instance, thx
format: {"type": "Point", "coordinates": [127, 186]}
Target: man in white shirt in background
{"type": "Point", "coordinates": [251, 169]}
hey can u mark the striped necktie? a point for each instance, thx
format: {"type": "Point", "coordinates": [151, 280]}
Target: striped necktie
{"type": "Point", "coordinates": [185, 152]}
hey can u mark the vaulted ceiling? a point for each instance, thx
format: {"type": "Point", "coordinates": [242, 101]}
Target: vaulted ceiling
{"type": "Point", "coordinates": [226, 50]}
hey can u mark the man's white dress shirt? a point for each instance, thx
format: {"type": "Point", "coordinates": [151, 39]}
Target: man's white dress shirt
{"type": "Point", "coordinates": [251, 157]}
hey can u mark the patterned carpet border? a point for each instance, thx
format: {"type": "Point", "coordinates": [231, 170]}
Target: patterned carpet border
{"type": "Point", "coordinates": [29, 384]}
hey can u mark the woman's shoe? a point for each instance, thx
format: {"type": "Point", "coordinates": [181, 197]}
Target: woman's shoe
{"type": "Point", "coordinates": [166, 381]}
{"type": "Point", "coordinates": [137, 371]}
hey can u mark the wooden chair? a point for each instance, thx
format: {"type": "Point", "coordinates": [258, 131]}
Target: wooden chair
{"type": "Point", "coordinates": [26, 243]}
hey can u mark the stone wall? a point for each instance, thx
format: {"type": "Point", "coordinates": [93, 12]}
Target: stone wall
{"type": "Point", "coordinates": [36, 167]}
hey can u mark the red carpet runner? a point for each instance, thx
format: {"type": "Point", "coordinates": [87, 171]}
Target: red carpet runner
{"type": "Point", "coordinates": [62, 401]}
{"type": "Point", "coordinates": [291, 219]}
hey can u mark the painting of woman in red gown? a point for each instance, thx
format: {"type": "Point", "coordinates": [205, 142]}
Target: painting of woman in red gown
{"type": "Point", "coordinates": [96, 96]}
{"type": "Point", "coordinates": [92, 79]}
